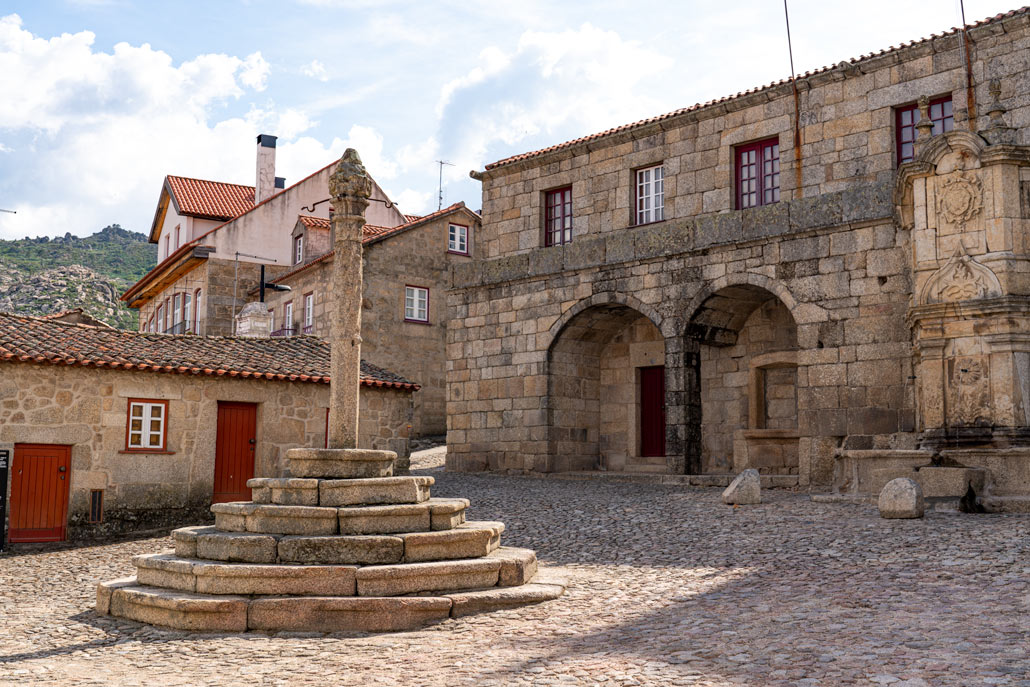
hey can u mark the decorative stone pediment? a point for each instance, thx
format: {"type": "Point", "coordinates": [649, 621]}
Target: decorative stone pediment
{"type": "Point", "coordinates": [961, 278]}
{"type": "Point", "coordinates": [960, 198]}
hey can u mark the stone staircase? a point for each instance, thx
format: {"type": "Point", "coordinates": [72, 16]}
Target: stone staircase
{"type": "Point", "coordinates": [364, 553]}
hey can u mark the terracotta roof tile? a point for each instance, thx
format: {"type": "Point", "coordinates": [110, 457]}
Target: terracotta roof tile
{"type": "Point", "coordinates": [211, 199]}
{"type": "Point", "coordinates": [296, 358]}
{"type": "Point", "coordinates": [412, 218]}
{"type": "Point", "coordinates": [315, 222]}
{"type": "Point", "coordinates": [724, 99]}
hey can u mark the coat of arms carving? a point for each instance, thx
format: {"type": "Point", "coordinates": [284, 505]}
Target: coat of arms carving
{"type": "Point", "coordinates": [960, 279]}
{"type": "Point", "coordinates": [960, 198]}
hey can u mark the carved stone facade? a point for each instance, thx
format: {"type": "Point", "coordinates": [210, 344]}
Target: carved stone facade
{"type": "Point", "coordinates": [877, 311]}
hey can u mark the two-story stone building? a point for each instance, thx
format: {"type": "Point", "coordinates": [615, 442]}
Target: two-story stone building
{"type": "Point", "coordinates": [828, 280]}
{"type": "Point", "coordinates": [403, 313]}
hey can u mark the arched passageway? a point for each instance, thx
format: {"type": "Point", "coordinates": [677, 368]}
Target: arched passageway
{"type": "Point", "coordinates": [741, 384]}
{"type": "Point", "coordinates": [606, 392]}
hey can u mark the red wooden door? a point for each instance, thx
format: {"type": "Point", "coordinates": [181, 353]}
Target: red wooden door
{"type": "Point", "coordinates": [234, 451]}
{"type": "Point", "coordinates": [39, 492]}
{"type": "Point", "coordinates": [652, 411]}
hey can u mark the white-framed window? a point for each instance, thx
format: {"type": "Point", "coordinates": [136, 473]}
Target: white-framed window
{"type": "Point", "coordinates": [288, 317]}
{"type": "Point", "coordinates": [177, 241]}
{"type": "Point", "coordinates": [309, 310]}
{"type": "Point", "coordinates": [187, 311]}
{"type": "Point", "coordinates": [298, 250]}
{"type": "Point", "coordinates": [271, 318]}
{"type": "Point", "coordinates": [650, 194]}
{"type": "Point", "coordinates": [160, 318]}
{"type": "Point", "coordinates": [196, 312]}
{"type": "Point", "coordinates": [148, 425]}
{"type": "Point", "coordinates": [167, 244]}
{"type": "Point", "coordinates": [458, 239]}
{"type": "Point", "coordinates": [176, 309]}
{"type": "Point", "coordinates": [416, 304]}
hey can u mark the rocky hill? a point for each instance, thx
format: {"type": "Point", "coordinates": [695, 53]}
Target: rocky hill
{"type": "Point", "coordinates": [46, 275]}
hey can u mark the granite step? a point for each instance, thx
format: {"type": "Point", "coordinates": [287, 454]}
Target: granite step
{"type": "Point", "coordinates": [468, 540]}
{"type": "Point", "coordinates": [296, 491]}
{"type": "Point", "coordinates": [434, 514]}
{"type": "Point", "coordinates": [245, 516]}
{"type": "Point", "coordinates": [180, 610]}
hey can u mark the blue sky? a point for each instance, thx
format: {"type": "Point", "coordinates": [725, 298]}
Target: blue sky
{"type": "Point", "coordinates": [102, 98]}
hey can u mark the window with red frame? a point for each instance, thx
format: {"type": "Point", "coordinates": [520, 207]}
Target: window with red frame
{"type": "Point", "coordinates": [758, 173]}
{"type": "Point", "coordinates": [558, 218]}
{"type": "Point", "coordinates": [906, 118]}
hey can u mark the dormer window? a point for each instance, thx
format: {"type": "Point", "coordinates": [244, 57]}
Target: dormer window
{"type": "Point", "coordinates": [298, 250]}
{"type": "Point", "coordinates": [458, 239]}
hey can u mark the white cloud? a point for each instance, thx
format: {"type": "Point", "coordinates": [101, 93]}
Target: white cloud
{"type": "Point", "coordinates": [297, 159]}
{"type": "Point", "coordinates": [316, 70]}
{"type": "Point", "coordinates": [412, 202]}
{"type": "Point", "coordinates": [575, 79]}
{"type": "Point", "coordinates": [98, 131]}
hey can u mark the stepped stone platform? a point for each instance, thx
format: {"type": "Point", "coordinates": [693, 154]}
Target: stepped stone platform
{"type": "Point", "coordinates": [341, 546]}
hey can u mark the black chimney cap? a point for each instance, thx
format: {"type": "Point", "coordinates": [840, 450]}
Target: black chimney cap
{"type": "Point", "coordinates": [266, 140]}
{"type": "Point", "coordinates": [280, 182]}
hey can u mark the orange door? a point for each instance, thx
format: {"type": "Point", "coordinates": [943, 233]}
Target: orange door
{"type": "Point", "coordinates": [39, 492]}
{"type": "Point", "coordinates": [234, 451]}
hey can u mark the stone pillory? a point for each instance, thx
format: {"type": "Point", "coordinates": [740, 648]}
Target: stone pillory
{"type": "Point", "coordinates": [341, 544]}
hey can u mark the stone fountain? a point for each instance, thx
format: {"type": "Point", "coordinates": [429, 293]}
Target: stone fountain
{"type": "Point", "coordinates": [341, 544]}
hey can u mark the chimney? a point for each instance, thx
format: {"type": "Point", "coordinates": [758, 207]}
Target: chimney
{"type": "Point", "coordinates": [265, 182]}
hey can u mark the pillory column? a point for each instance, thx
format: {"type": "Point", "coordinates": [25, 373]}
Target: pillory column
{"type": "Point", "coordinates": [350, 188]}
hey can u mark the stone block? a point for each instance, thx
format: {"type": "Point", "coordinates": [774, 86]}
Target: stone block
{"type": "Point", "coordinates": [413, 578]}
{"type": "Point", "coordinates": [354, 492]}
{"type": "Point", "coordinates": [949, 482]}
{"type": "Point", "coordinates": [273, 580]}
{"type": "Point", "coordinates": [814, 212]}
{"type": "Point", "coordinates": [745, 489]}
{"type": "Point", "coordinates": [901, 498]}
{"type": "Point", "coordinates": [106, 589]}
{"type": "Point", "coordinates": [185, 539]}
{"type": "Point", "coordinates": [518, 566]}
{"type": "Point", "coordinates": [384, 519]}
{"type": "Point", "coordinates": [165, 570]}
{"type": "Point", "coordinates": [584, 252]}
{"type": "Point", "coordinates": [329, 463]}
{"type": "Point", "coordinates": [305, 520]}
{"type": "Point", "coordinates": [237, 546]}
{"type": "Point", "coordinates": [762, 222]}
{"type": "Point", "coordinates": [180, 610]}
{"type": "Point", "coordinates": [469, 603]}
{"type": "Point", "coordinates": [355, 614]}
{"type": "Point", "coordinates": [446, 514]}
{"type": "Point", "coordinates": [715, 229]}
{"type": "Point", "coordinates": [284, 491]}
{"type": "Point", "coordinates": [342, 550]}
{"type": "Point", "coordinates": [470, 540]}
{"type": "Point", "coordinates": [619, 247]}
{"type": "Point", "coordinates": [232, 517]}
{"type": "Point", "coordinates": [867, 201]}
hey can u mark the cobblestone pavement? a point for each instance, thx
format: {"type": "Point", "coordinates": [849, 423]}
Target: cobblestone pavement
{"type": "Point", "coordinates": [667, 587]}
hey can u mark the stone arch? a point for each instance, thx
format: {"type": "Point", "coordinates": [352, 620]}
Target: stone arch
{"type": "Point", "coordinates": [606, 387]}
{"type": "Point", "coordinates": [801, 312]}
{"type": "Point", "coordinates": [740, 376]}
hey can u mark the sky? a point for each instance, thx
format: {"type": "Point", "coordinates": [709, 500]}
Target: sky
{"type": "Point", "coordinates": [103, 98]}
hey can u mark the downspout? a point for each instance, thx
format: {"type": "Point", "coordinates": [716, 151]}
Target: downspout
{"type": "Point", "coordinates": [967, 44]}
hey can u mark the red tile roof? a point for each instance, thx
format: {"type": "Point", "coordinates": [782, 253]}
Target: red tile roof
{"type": "Point", "coordinates": [295, 359]}
{"type": "Point", "coordinates": [210, 199]}
{"type": "Point", "coordinates": [315, 222]}
{"type": "Point", "coordinates": [724, 99]}
{"type": "Point", "coordinates": [412, 218]}
{"type": "Point", "coordinates": [373, 234]}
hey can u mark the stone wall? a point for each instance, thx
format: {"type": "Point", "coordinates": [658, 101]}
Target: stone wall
{"type": "Point", "coordinates": [86, 408]}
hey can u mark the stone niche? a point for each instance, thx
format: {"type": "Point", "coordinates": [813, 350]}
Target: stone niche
{"type": "Point", "coordinates": [970, 314]}
{"type": "Point", "coordinates": [770, 443]}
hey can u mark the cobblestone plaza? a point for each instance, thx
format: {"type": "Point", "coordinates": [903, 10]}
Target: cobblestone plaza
{"type": "Point", "coordinates": [667, 586]}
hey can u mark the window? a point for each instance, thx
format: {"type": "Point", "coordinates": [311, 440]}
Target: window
{"type": "Point", "coordinates": [906, 118]}
{"type": "Point", "coordinates": [167, 252]}
{"type": "Point", "coordinates": [458, 239]}
{"type": "Point", "coordinates": [558, 218]}
{"type": "Point", "coordinates": [298, 250]}
{"type": "Point", "coordinates": [650, 194]}
{"type": "Point", "coordinates": [147, 427]}
{"type": "Point", "coordinates": [288, 318]}
{"type": "Point", "coordinates": [758, 173]}
{"type": "Point", "coordinates": [187, 312]}
{"type": "Point", "coordinates": [176, 309]}
{"type": "Point", "coordinates": [177, 244]}
{"type": "Point", "coordinates": [416, 304]}
{"type": "Point", "coordinates": [309, 312]}
{"type": "Point", "coordinates": [196, 312]}
{"type": "Point", "coordinates": [159, 325]}
{"type": "Point", "coordinates": [271, 319]}
{"type": "Point", "coordinates": [166, 325]}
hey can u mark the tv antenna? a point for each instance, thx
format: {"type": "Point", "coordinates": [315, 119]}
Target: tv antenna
{"type": "Point", "coordinates": [13, 212]}
{"type": "Point", "coordinates": [439, 197]}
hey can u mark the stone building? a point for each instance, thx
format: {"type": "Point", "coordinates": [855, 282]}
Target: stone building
{"type": "Point", "coordinates": [832, 287]}
{"type": "Point", "coordinates": [403, 312]}
{"type": "Point", "coordinates": [213, 237]}
{"type": "Point", "coordinates": [115, 430]}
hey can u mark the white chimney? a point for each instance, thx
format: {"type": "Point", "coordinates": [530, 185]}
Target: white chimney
{"type": "Point", "coordinates": [265, 183]}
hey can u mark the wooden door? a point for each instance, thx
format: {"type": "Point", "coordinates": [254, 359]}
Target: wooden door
{"type": "Point", "coordinates": [235, 444]}
{"type": "Point", "coordinates": [652, 411]}
{"type": "Point", "coordinates": [40, 474]}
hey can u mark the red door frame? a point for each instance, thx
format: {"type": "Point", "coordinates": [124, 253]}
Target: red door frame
{"type": "Point", "coordinates": [652, 411]}
{"type": "Point", "coordinates": [39, 492]}
{"type": "Point", "coordinates": [235, 448]}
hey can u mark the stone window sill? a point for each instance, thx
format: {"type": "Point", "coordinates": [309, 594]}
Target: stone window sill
{"type": "Point", "coordinates": [146, 450]}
